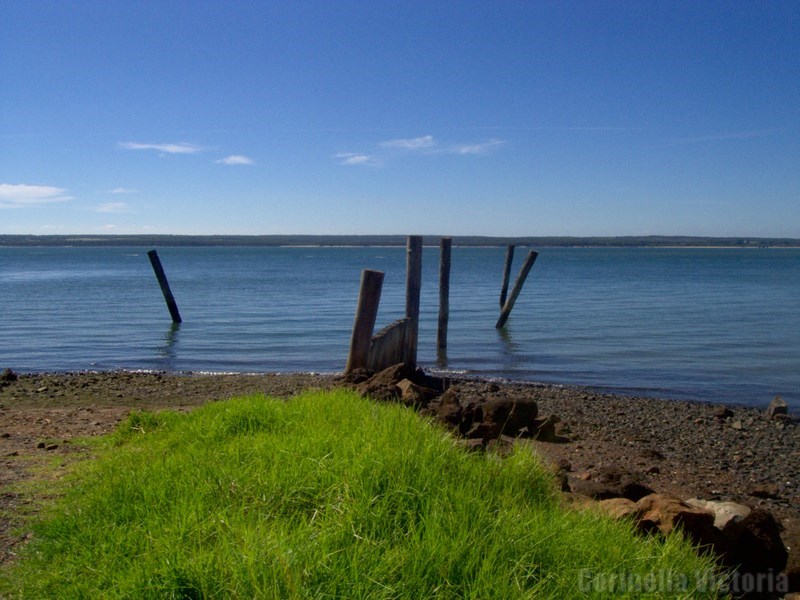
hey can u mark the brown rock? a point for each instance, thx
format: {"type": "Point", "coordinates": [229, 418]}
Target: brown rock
{"type": "Point", "coordinates": [383, 385]}
{"type": "Point", "coordinates": [510, 415]}
{"type": "Point", "coordinates": [620, 508]}
{"type": "Point", "coordinates": [611, 482]}
{"type": "Point", "coordinates": [447, 408]}
{"type": "Point", "coordinates": [412, 394]}
{"type": "Point", "coordinates": [548, 429]}
{"type": "Point", "coordinates": [666, 513]}
{"type": "Point", "coordinates": [765, 491]}
{"type": "Point", "coordinates": [791, 541]}
{"type": "Point", "coordinates": [723, 412]}
{"type": "Point", "coordinates": [778, 406]}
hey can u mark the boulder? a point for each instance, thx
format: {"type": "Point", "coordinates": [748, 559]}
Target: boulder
{"type": "Point", "coordinates": [723, 412]}
{"type": "Point", "coordinates": [412, 394]}
{"type": "Point", "coordinates": [8, 375]}
{"type": "Point", "coordinates": [549, 429]}
{"type": "Point", "coordinates": [791, 541]}
{"type": "Point", "coordinates": [510, 415]}
{"type": "Point", "coordinates": [621, 508]}
{"type": "Point", "coordinates": [383, 385]}
{"type": "Point", "coordinates": [485, 431]}
{"type": "Point", "coordinates": [724, 512]}
{"type": "Point", "coordinates": [665, 513]}
{"type": "Point", "coordinates": [778, 406]}
{"type": "Point", "coordinates": [611, 482]}
{"type": "Point", "coordinates": [753, 544]}
{"type": "Point", "coordinates": [447, 408]}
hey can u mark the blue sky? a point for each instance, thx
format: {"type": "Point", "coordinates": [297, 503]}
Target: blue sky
{"type": "Point", "coordinates": [451, 118]}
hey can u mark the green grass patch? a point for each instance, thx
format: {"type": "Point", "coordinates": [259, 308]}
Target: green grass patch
{"type": "Point", "coordinates": [328, 496]}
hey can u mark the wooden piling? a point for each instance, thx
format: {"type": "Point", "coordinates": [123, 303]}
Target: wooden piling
{"type": "Point", "coordinates": [523, 274]}
{"type": "Point", "coordinates": [369, 297]}
{"type": "Point", "coordinates": [445, 246]}
{"type": "Point", "coordinates": [506, 273]}
{"type": "Point", "coordinates": [165, 290]}
{"type": "Point", "coordinates": [413, 287]}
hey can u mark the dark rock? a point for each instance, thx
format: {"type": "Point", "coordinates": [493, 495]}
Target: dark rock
{"type": "Point", "coordinates": [353, 377]}
{"type": "Point", "coordinates": [447, 408]}
{"type": "Point", "coordinates": [769, 492]}
{"type": "Point", "coordinates": [8, 375]}
{"type": "Point", "coordinates": [484, 431]}
{"type": "Point", "coordinates": [383, 385]}
{"type": "Point", "coordinates": [754, 543]}
{"type": "Point", "coordinates": [611, 482]}
{"type": "Point", "coordinates": [473, 445]}
{"type": "Point", "coordinates": [412, 394]}
{"type": "Point", "coordinates": [778, 406]}
{"type": "Point", "coordinates": [510, 415]}
{"type": "Point", "coordinates": [549, 429]}
{"type": "Point", "coordinates": [791, 541]}
{"type": "Point", "coordinates": [723, 412]}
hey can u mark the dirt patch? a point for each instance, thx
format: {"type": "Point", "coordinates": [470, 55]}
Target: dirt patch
{"type": "Point", "coordinates": [41, 415]}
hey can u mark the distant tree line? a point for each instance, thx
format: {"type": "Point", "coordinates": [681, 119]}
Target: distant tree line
{"type": "Point", "coordinates": [389, 240]}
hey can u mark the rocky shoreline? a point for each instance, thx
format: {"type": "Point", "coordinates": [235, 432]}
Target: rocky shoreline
{"type": "Point", "coordinates": [677, 448]}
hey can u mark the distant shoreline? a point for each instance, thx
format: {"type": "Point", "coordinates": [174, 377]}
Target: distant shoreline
{"type": "Point", "coordinates": [318, 241]}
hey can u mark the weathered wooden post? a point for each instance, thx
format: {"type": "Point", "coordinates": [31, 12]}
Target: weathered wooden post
{"type": "Point", "coordinates": [162, 281]}
{"type": "Point", "coordinates": [445, 246]}
{"type": "Point", "coordinates": [413, 287]}
{"type": "Point", "coordinates": [523, 274]}
{"type": "Point", "coordinates": [369, 297]}
{"type": "Point", "coordinates": [506, 273]}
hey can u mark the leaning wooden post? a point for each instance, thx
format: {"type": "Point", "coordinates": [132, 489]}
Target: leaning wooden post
{"type": "Point", "coordinates": [162, 281]}
{"type": "Point", "coordinates": [523, 274]}
{"type": "Point", "coordinates": [369, 297]}
{"type": "Point", "coordinates": [413, 286]}
{"type": "Point", "coordinates": [506, 274]}
{"type": "Point", "coordinates": [445, 246]}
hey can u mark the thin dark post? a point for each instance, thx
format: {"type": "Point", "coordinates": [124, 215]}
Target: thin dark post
{"type": "Point", "coordinates": [445, 246]}
{"type": "Point", "coordinates": [506, 274]}
{"type": "Point", "coordinates": [523, 274]}
{"type": "Point", "coordinates": [162, 281]}
{"type": "Point", "coordinates": [369, 297]}
{"type": "Point", "coordinates": [413, 286]}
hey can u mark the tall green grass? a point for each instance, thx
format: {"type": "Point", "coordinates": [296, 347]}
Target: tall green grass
{"type": "Point", "coordinates": [325, 496]}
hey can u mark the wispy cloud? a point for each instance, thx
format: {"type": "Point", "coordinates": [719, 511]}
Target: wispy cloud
{"type": "Point", "coordinates": [424, 145]}
{"type": "Point", "coordinates": [21, 195]}
{"type": "Point", "coordinates": [112, 207]}
{"type": "Point", "coordinates": [354, 159]}
{"type": "Point", "coordinates": [179, 148]}
{"type": "Point", "coordinates": [418, 143]}
{"type": "Point", "coordinates": [236, 159]}
{"type": "Point", "coordinates": [733, 135]}
{"type": "Point", "coordinates": [481, 148]}
{"type": "Point", "coordinates": [122, 190]}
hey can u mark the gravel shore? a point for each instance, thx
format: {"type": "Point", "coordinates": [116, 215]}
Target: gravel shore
{"type": "Point", "coordinates": [683, 448]}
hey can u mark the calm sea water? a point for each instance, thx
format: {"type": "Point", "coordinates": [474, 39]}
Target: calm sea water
{"type": "Point", "coordinates": [708, 324]}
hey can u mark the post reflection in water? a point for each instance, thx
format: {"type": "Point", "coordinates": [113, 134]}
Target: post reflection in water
{"type": "Point", "coordinates": [167, 350]}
